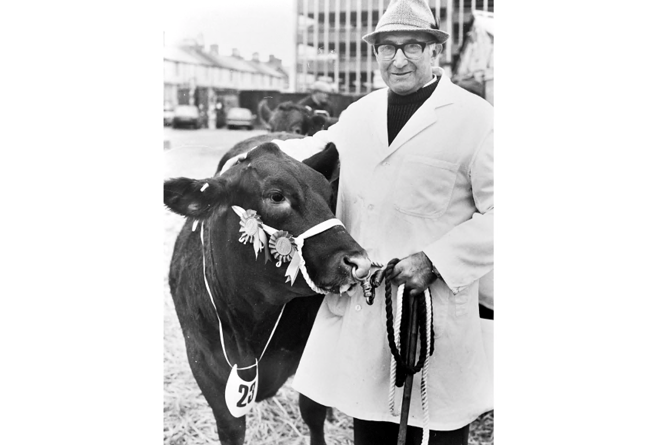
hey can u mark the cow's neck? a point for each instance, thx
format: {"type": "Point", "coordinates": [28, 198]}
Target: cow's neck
{"type": "Point", "coordinates": [248, 329]}
{"type": "Point", "coordinates": [247, 319]}
{"type": "Point", "coordinates": [248, 300]}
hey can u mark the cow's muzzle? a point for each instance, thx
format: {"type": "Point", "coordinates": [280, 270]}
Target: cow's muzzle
{"type": "Point", "coordinates": [360, 265]}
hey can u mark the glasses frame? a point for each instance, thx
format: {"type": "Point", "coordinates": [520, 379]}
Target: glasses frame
{"type": "Point", "coordinates": [396, 46]}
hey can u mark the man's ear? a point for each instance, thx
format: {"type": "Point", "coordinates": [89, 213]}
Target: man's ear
{"type": "Point", "coordinates": [192, 197]}
{"type": "Point", "coordinates": [438, 48]}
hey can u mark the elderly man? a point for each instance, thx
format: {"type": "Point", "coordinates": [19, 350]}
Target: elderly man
{"type": "Point", "coordinates": [416, 184]}
{"type": "Point", "coordinates": [318, 99]}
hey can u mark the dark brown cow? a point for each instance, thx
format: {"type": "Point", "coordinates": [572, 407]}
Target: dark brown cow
{"type": "Point", "coordinates": [293, 118]}
{"type": "Point", "coordinates": [244, 294]}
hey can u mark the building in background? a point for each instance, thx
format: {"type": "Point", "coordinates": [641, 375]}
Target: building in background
{"type": "Point", "coordinates": [330, 46]}
{"type": "Point", "coordinates": [212, 82]}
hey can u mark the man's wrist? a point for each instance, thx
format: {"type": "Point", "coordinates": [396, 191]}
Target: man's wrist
{"type": "Point", "coordinates": [434, 269]}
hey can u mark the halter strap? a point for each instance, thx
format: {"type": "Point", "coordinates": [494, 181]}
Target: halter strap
{"type": "Point", "coordinates": [297, 264]}
{"type": "Point", "coordinates": [320, 227]}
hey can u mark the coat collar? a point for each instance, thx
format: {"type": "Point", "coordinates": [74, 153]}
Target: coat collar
{"type": "Point", "coordinates": [422, 118]}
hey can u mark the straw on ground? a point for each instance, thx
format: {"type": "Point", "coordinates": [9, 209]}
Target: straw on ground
{"type": "Point", "coordinates": [188, 420]}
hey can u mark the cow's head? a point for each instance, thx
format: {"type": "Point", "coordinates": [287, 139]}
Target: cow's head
{"type": "Point", "coordinates": [293, 118]}
{"type": "Point", "coordinates": [287, 195]}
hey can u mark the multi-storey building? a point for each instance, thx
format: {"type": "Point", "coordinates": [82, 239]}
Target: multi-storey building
{"type": "Point", "coordinates": [330, 46]}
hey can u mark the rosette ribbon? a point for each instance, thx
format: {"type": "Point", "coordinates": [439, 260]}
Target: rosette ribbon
{"type": "Point", "coordinates": [296, 263]}
{"type": "Point", "coordinates": [253, 230]}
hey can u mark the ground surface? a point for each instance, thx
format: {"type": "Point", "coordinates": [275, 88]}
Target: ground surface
{"type": "Point", "coordinates": [187, 417]}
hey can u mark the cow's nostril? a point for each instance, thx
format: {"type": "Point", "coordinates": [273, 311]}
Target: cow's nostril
{"type": "Point", "coordinates": [359, 264]}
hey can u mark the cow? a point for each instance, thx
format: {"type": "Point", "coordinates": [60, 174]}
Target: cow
{"type": "Point", "coordinates": [243, 314]}
{"type": "Point", "coordinates": [293, 118]}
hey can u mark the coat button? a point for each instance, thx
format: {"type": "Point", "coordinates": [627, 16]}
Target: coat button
{"type": "Point", "coordinates": [358, 307]}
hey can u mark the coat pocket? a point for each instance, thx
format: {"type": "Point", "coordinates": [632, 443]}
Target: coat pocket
{"type": "Point", "coordinates": [424, 186]}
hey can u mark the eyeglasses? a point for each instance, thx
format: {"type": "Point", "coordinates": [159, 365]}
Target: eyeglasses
{"type": "Point", "coordinates": [411, 50]}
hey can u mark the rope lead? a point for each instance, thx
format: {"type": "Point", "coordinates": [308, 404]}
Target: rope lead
{"type": "Point", "coordinates": [394, 328]}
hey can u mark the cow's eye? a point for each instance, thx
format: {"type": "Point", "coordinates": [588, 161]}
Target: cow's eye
{"type": "Point", "coordinates": [277, 197]}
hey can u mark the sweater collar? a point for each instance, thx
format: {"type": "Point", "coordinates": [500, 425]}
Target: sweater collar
{"type": "Point", "coordinates": [417, 96]}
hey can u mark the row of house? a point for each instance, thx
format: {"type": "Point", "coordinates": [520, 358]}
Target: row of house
{"type": "Point", "coordinates": [194, 76]}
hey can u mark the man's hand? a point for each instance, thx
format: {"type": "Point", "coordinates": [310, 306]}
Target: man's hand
{"type": "Point", "coordinates": [415, 271]}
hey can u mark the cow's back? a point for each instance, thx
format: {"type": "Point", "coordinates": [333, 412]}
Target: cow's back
{"type": "Point", "coordinates": [248, 144]}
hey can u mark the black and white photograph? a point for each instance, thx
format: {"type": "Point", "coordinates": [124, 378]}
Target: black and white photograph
{"type": "Point", "coordinates": [299, 248]}
{"type": "Point", "coordinates": [353, 304]}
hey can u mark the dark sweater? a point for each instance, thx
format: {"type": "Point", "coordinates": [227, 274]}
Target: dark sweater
{"type": "Point", "coordinates": [401, 108]}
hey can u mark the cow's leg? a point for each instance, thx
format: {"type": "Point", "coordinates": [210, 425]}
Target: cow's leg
{"type": "Point", "coordinates": [313, 414]}
{"type": "Point", "coordinates": [231, 430]}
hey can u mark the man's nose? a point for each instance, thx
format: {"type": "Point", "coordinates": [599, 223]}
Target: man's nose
{"type": "Point", "coordinates": [400, 59]}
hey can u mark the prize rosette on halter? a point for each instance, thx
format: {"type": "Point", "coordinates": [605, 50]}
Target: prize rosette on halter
{"type": "Point", "coordinates": [287, 248]}
{"type": "Point", "coordinates": [252, 230]}
{"type": "Point", "coordinates": [283, 246]}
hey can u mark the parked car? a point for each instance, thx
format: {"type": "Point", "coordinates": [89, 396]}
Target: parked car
{"type": "Point", "coordinates": [188, 116]}
{"type": "Point", "coordinates": [240, 117]}
{"type": "Point", "coordinates": [168, 114]}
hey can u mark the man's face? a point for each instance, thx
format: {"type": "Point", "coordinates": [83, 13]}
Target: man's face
{"type": "Point", "coordinates": [402, 75]}
{"type": "Point", "coordinates": [321, 96]}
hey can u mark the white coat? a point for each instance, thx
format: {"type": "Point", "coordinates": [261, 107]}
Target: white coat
{"type": "Point", "coordinates": [431, 190]}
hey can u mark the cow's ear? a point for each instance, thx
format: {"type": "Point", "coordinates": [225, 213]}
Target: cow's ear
{"type": "Point", "coordinates": [191, 197]}
{"type": "Point", "coordinates": [326, 162]}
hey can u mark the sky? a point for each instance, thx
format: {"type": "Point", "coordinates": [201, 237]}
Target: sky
{"type": "Point", "coordinates": [262, 26]}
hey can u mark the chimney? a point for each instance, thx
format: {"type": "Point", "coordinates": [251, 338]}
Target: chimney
{"type": "Point", "coordinates": [235, 53]}
{"type": "Point", "coordinates": [256, 57]}
{"type": "Point", "coordinates": [213, 49]}
{"type": "Point", "coordinates": [274, 61]}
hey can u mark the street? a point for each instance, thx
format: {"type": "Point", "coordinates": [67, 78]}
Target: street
{"type": "Point", "coordinates": [195, 153]}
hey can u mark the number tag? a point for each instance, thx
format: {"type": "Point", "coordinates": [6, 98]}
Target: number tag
{"type": "Point", "coordinates": [240, 395]}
